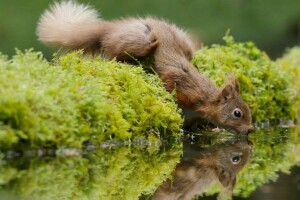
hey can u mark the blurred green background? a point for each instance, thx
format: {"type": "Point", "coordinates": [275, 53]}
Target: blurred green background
{"type": "Point", "coordinates": [273, 25]}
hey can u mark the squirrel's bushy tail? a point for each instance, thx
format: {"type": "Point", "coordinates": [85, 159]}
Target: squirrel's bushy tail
{"type": "Point", "coordinates": [69, 24]}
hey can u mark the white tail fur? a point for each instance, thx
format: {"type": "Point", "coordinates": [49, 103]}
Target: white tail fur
{"type": "Point", "coordinates": [68, 24]}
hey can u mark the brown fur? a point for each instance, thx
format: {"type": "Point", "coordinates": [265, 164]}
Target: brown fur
{"type": "Point", "coordinates": [170, 48]}
{"type": "Point", "coordinates": [194, 175]}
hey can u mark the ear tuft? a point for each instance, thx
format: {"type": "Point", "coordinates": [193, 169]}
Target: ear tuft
{"type": "Point", "coordinates": [236, 85]}
{"type": "Point", "coordinates": [234, 82]}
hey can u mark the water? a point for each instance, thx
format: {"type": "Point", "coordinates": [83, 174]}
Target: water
{"type": "Point", "coordinates": [261, 166]}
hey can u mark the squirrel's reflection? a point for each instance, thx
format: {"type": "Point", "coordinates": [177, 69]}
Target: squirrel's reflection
{"type": "Point", "coordinates": [200, 167]}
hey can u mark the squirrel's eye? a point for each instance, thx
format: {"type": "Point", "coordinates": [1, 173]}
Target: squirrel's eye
{"type": "Point", "coordinates": [236, 160]}
{"type": "Point", "coordinates": [237, 113]}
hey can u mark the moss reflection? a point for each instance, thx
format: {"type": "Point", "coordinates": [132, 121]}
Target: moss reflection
{"type": "Point", "coordinates": [105, 173]}
{"type": "Point", "coordinates": [275, 150]}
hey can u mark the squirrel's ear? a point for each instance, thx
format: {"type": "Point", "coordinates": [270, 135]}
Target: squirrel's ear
{"type": "Point", "coordinates": [236, 85]}
{"type": "Point", "coordinates": [226, 178]}
{"type": "Point", "coordinates": [227, 92]}
{"type": "Point", "coordinates": [234, 82]}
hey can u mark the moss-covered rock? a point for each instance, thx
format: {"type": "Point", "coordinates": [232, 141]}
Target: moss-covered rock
{"type": "Point", "coordinates": [267, 86]}
{"type": "Point", "coordinates": [290, 62]}
{"type": "Point", "coordinates": [73, 100]}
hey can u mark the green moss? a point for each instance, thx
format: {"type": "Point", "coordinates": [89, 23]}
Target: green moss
{"type": "Point", "coordinates": [104, 173]}
{"type": "Point", "coordinates": [290, 62]}
{"type": "Point", "coordinates": [73, 100]}
{"type": "Point", "coordinates": [266, 85]}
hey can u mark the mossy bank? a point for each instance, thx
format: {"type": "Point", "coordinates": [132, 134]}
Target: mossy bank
{"type": "Point", "coordinates": [73, 100]}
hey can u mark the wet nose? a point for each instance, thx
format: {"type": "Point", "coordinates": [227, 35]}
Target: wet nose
{"type": "Point", "coordinates": [251, 129]}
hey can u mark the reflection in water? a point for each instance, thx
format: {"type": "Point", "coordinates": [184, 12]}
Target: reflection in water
{"type": "Point", "coordinates": [275, 150]}
{"type": "Point", "coordinates": [121, 172]}
{"type": "Point", "coordinates": [201, 167]}
{"type": "Point", "coordinates": [210, 165]}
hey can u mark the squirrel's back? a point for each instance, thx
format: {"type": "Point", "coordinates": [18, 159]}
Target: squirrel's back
{"type": "Point", "coordinates": [172, 38]}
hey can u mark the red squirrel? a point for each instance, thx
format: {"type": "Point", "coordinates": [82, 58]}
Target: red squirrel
{"type": "Point", "coordinates": [76, 26]}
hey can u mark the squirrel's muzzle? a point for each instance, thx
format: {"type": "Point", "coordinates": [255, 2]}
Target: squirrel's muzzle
{"type": "Point", "coordinates": [250, 129]}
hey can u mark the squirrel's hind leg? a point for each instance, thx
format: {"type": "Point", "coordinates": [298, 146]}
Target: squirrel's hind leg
{"type": "Point", "coordinates": [129, 38]}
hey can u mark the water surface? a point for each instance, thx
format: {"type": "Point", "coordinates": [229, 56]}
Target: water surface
{"type": "Point", "coordinates": [208, 165]}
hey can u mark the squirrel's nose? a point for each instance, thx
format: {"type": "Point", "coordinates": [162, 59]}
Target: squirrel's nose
{"type": "Point", "coordinates": [251, 129]}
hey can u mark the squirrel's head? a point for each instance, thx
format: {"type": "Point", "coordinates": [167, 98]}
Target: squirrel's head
{"type": "Point", "coordinates": [232, 112]}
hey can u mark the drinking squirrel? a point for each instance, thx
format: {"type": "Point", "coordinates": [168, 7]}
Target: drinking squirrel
{"type": "Point", "coordinates": [76, 26]}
